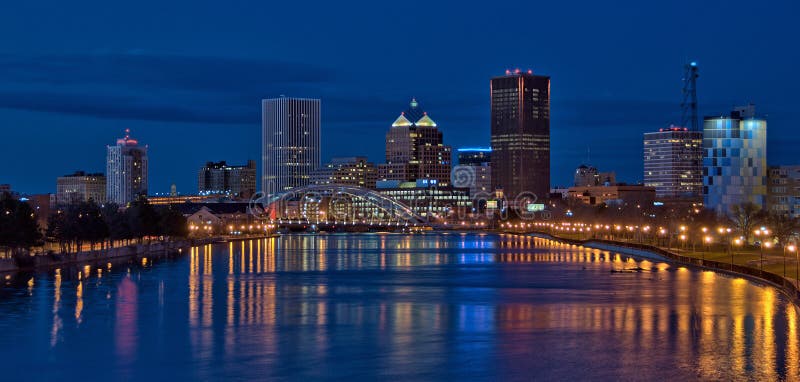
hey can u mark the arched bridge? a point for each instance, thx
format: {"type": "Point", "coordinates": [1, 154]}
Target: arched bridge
{"type": "Point", "coordinates": [335, 206]}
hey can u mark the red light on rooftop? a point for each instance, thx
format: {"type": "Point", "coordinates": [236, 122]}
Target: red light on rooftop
{"type": "Point", "coordinates": [508, 72]}
{"type": "Point", "coordinates": [516, 71]}
{"type": "Point", "coordinates": [530, 71]}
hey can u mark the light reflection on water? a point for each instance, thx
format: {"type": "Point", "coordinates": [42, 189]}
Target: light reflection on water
{"type": "Point", "coordinates": [429, 307]}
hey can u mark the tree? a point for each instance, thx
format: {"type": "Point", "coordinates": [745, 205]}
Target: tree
{"type": "Point", "coordinates": [142, 218]}
{"type": "Point", "coordinates": [172, 223]}
{"type": "Point", "coordinates": [783, 227]}
{"type": "Point", "coordinates": [56, 229]}
{"type": "Point", "coordinates": [18, 226]}
{"type": "Point", "coordinates": [745, 217]}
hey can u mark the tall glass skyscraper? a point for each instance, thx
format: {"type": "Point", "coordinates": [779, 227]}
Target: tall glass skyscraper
{"type": "Point", "coordinates": [521, 135]}
{"type": "Point", "coordinates": [735, 160]}
{"type": "Point", "coordinates": [673, 163]}
{"type": "Point", "coordinates": [126, 170]}
{"type": "Point", "coordinates": [290, 143]}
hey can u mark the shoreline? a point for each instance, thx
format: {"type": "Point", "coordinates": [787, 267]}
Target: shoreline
{"type": "Point", "coordinates": [158, 249]}
{"type": "Point", "coordinates": [785, 286]}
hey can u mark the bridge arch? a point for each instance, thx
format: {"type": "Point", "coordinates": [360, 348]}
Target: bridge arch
{"type": "Point", "coordinates": [335, 204]}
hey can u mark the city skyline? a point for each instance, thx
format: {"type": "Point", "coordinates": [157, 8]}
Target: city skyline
{"type": "Point", "coordinates": [176, 99]}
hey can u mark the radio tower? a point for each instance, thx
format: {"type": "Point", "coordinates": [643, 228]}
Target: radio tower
{"type": "Point", "coordinates": [689, 104]}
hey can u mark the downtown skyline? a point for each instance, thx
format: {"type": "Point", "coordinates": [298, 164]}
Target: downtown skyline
{"type": "Point", "coordinates": [193, 105]}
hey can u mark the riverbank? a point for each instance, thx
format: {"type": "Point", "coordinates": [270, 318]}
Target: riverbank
{"type": "Point", "coordinates": [786, 286]}
{"type": "Point", "coordinates": [129, 252]}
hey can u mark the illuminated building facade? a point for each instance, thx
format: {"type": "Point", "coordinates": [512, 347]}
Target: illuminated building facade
{"type": "Point", "coordinates": [734, 160]}
{"type": "Point", "coordinates": [415, 149]}
{"type": "Point", "coordinates": [80, 187]}
{"type": "Point", "coordinates": [520, 117]}
{"type": "Point", "coordinates": [291, 135]}
{"type": "Point", "coordinates": [223, 179]}
{"type": "Point", "coordinates": [633, 195]}
{"type": "Point", "coordinates": [673, 163]}
{"type": "Point", "coordinates": [430, 201]}
{"type": "Point", "coordinates": [477, 156]}
{"type": "Point", "coordinates": [783, 190]}
{"type": "Point", "coordinates": [586, 175]}
{"type": "Point", "coordinates": [474, 170]}
{"type": "Point", "coordinates": [126, 170]}
{"type": "Point", "coordinates": [352, 171]}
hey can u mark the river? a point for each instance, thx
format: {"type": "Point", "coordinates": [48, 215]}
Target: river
{"type": "Point", "coordinates": [394, 307]}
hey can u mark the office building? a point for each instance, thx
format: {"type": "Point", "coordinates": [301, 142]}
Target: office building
{"type": "Point", "coordinates": [734, 160]}
{"type": "Point", "coordinates": [126, 170]}
{"type": "Point", "coordinates": [220, 178]}
{"type": "Point", "coordinates": [80, 187]}
{"type": "Point", "coordinates": [673, 163]}
{"type": "Point", "coordinates": [351, 171]}
{"type": "Point", "coordinates": [587, 175]}
{"type": "Point", "coordinates": [429, 200]}
{"type": "Point", "coordinates": [477, 156]}
{"type": "Point", "coordinates": [415, 149]}
{"type": "Point", "coordinates": [520, 118]}
{"type": "Point", "coordinates": [474, 171]}
{"type": "Point", "coordinates": [290, 143]}
{"type": "Point", "coordinates": [783, 190]}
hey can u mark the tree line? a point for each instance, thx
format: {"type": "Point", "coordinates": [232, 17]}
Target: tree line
{"type": "Point", "coordinates": [86, 223]}
{"type": "Point", "coordinates": [101, 225]}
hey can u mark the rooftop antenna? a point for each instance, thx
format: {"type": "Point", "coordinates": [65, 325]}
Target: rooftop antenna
{"type": "Point", "coordinates": [689, 104]}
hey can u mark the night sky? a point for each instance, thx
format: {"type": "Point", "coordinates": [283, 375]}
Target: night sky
{"type": "Point", "coordinates": [187, 77]}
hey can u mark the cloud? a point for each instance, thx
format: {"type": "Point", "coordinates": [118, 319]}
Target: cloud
{"type": "Point", "coordinates": [153, 87]}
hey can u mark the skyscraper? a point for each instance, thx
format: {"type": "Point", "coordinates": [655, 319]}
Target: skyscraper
{"type": "Point", "coordinates": [290, 143]}
{"type": "Point", "coordinates": [521, 135]}
{"type": "Point", "coordinates": [415, 149]}
{"type": "Point", "coordinates": [126, 170]}
{"type": "Point", "coordinates": [734, 160]}
{"type": "Point", "coordinates": [673, 163]}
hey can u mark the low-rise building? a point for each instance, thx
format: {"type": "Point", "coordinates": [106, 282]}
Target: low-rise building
{"type": "Point", "coordinates": [614, 195]}
{"type": "Point", "coordinates": [783, 190]}
{"type": "Point", "coordinates": [80, 187]}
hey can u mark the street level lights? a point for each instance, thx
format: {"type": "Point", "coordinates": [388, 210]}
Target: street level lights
{"type": "Point", "coordinates": [707, 240]}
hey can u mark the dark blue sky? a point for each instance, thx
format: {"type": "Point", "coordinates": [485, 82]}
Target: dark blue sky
{"type": "Point", "coordinates": [187, 77]}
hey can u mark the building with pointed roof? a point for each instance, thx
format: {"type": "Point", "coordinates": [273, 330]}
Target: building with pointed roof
{"type": "Point", "coordinates": [415, 149]}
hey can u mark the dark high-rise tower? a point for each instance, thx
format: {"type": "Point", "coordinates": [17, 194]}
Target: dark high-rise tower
{"type": "Point", "coordinates": [521, 135]}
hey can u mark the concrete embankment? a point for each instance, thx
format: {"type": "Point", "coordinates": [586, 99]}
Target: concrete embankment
{"type": "Point", "coordinates": [132, 252]}
{"type": "Point", "coordinates": [787, 286]}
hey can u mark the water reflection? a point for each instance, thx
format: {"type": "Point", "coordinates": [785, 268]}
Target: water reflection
{"type": "Point", "coordinates": [404, 307]}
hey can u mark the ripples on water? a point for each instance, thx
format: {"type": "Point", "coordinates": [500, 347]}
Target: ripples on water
{"type": "Point", "coordinates": [394, 307]}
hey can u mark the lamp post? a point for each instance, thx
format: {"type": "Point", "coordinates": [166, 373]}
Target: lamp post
{"type": "Point", "coordinates": [682, 229]}
{"type": "Point", "coordinates": [792, 248]}
{"type": "Point", "coordinates": [707, 240]}
{"type": "Point", "coordinates": [726, 232]}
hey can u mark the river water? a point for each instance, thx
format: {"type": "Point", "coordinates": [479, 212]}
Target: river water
{"type": "Point", "coordinates": [394, 307]}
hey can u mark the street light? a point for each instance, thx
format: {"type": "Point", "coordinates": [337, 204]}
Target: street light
{"type": "Point", "coordinates": [791, 248]}
{"type": "Point", "coordinates": [796, 263]}
{"type": "Point", "coordinates": [707, 240]}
